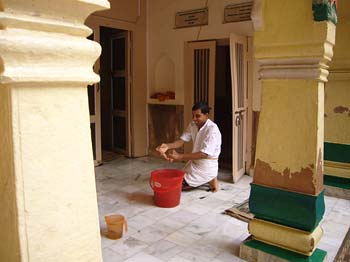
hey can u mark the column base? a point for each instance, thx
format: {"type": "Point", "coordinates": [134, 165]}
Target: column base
{"type": "Point", "coordinates": [288, 208]}
{"type": "Point", "coordinates": [254, 250]}
{"type": "Point", "coordinates": [337, 187]}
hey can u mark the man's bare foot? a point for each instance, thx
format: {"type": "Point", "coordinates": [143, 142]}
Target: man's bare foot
{"type": "Point", "coordinates": [214, 185]}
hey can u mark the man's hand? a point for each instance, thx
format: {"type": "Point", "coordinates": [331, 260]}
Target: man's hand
{"type": "Point", "coordinates": [174, 156]}
{"type": "Point", "coordinates": [162, 149]}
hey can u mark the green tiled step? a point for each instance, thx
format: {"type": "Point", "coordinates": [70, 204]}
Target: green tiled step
{"type": "Point", "coordinates": [287, 208]}
{"type": "Point", "coordinates": [337, 152]}
{"type": "Point", "coordinates": [335, 181]}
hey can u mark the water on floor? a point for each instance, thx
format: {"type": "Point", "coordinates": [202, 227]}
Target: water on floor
{"type": "Point", "coordinates": [197, 229]}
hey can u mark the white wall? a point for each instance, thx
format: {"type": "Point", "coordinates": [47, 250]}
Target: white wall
{"type": "Point", "coordinates": [166, 45]}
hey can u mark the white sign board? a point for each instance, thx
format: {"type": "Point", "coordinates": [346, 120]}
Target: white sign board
{"type": "Point", "coordinates": [191, 18]}
{"type": "Point", "coordinates": [238, 12]}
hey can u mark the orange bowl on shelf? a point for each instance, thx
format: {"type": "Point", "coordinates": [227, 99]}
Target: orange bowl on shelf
{"type": "Point", "coordinates": [163, 96]}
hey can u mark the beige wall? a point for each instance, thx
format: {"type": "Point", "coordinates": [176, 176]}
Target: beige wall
{"type": "Point", "coordinates": [158, 49]}
{"type": "Point", "coordinates": [55, 183]}
{"type": "Point", "coordinates": [131, 15]}
{"type": "Point", "coordinates": [48, 203]}
{"type": "Point", "coordinates": [166, 44]}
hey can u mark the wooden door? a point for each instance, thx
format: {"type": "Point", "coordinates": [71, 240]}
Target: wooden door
{"type": "Point", "coordinates": [120, 98]}
{"type": "Point", "coordinates": [223, 102]}
{"type": "Point", "coordinates": [199, 78]}
{"type": "Point", "coordinates": [238, 53]}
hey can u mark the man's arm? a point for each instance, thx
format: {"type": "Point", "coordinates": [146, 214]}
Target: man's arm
{"type": "Point", "coordinates": [175, 156]}
{"type": "Point", "coordinates": [163, 148]}
{"type": "Point", "coordinates": [176, 144]}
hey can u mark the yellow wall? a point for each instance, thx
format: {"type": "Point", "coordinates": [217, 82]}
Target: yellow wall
{"type": "Point", "coordinates": [131, 16]}
{"type": "Point", "coordinates": [283, 124]}
{"type": "Point", "coordinates": [337, 100]}
{"type": "Point", "coordinates": [289, 148]}
{"type": "Point", "coordinates": [166, 45]}
{"type": "Point", "coordinates": [290, 33]}
{"type": "Point", "coordinates": [293, 51]}
{"type": "Point", "coordinates": [9, 241]}
{"type": "Point", "coordinates": [337, 111]}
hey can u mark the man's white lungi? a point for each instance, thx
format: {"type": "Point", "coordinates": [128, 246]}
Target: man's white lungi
{"type": "Point", "coordinates": [208, 141]}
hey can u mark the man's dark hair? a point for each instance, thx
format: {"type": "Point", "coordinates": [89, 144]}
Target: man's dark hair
{"type": "Point", "coordinates": [203, 106]}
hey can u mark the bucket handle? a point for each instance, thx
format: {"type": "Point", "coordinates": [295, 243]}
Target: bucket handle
{"type": "Point", "coordinates": [125, 225]}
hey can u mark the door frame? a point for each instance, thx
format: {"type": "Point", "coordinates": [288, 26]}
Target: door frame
{"type": "Point", "coordinates": [95, 23]}
{"type": "Point", "coordinates": [250, 83]}
{"type": "Point", "coordinates": [248, 77]}
{"type": "Point", "coordinates": [97, 117]}
{"type": "Point", "coordinates": [241, 111]}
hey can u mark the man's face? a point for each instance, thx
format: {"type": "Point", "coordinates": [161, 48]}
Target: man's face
{"type": "Point", "coordinates": [199, 118]}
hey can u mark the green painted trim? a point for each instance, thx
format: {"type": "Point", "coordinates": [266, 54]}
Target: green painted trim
{"type": "Point", "coordinates": [318, 255]}
{"type": "Point", "coordinates": [287, 208]}
{"type": "Point", "coordinates": [324, 11]}
{"type": "Point", "coordinates": [337, 152]}
{"type": "Point", "coordinates": [336, 181]}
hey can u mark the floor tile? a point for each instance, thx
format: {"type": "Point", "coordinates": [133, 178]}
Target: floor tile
{"type": "Point", "coordinates": [183, 238]}
{"type": "Point", "coordinates": [111, 256]}
{"type": "Point", "coordinates": [128, 247]}
{"type": "Point", "coordinates": [150, 234]}
{"type": "Point", "coordinates": [164, 250]}
{"type": "Point", "coordinates": [143, 257]}
{"type": "Point", "coordinates": [197, 229]}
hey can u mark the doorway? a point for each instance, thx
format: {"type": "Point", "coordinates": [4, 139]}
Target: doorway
{"type": "Point", "coordinates": [115, 92]}
{"type": "Point", "coordinates": [223, 102]}
{"type": "Point", "coordinates": [216, 72]}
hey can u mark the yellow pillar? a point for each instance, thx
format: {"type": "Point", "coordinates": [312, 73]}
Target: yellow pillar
{"type": "Point", "coordinates": [337, 111]}
{"type": "Point", "coordinates": [287, 190]}
{"type": "Point", "coordinates": [47, 189]}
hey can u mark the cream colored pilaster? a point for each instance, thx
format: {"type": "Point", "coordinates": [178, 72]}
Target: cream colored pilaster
{"type": "Point", "coordinates": [287, 191]}
{"type": "Point", "coordinates": [47, 189]}
{"type": "Point", "coordinates": [337, 106]}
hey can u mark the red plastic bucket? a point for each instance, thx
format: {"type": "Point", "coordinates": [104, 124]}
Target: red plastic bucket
{"type": "Point", "coordinates": [167, 184]}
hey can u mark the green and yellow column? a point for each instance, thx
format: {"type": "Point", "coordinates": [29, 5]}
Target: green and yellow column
{"type": "Point", "coordinates": [287, 195]}
{"type": "Point", "coordinates": [337, 111]}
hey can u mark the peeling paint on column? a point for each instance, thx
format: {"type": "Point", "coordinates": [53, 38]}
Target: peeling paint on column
{"type": "Point", "coordinates": [341, 109]}
{"type": "Point", "coordinates": [319, 170]}
{"type": "Point", "coordinates": [305, 181]}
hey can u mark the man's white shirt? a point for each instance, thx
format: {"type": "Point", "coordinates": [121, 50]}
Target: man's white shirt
{"type": "Point", "coordinates": [207, 140]}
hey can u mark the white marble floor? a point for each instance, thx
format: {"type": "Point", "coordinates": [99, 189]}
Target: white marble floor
{"type": "Point", "coordinates": [196, 230]}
